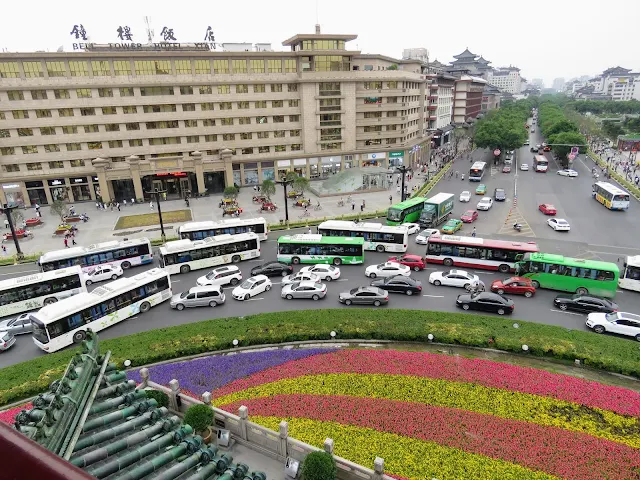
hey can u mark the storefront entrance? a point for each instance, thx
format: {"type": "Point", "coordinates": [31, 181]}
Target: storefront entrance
{"type": "Point", "coordinates": [175, 184]}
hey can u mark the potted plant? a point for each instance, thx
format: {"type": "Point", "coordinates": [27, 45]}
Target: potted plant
{"type": "Point", "coordinates": [200, 417]}
{"type": "Point", "coordinates": [160, 397]}
{"type": "Point", "coordinates": [319, 466]}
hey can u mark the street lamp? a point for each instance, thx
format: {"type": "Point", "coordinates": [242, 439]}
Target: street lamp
{"type": "Point", "coordinates": [285, 183]}
{"type": "Point", "coordinates": [403, 170]}
{"type": "Point", "coordinates": [157, 194]}
{"type": "Point", "coordinates": [7, 210]}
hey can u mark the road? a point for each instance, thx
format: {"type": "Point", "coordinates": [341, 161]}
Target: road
{"type": "Point", "coordinates": [537, 309]}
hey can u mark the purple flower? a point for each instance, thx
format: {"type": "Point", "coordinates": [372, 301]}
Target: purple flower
{"type": "Point", "coordinates": [208, 373]}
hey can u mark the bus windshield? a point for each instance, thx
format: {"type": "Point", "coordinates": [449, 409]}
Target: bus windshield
{"type": "Point", "coordinates": [39, 331]}
{"type": "Point", "coordinates": [621, 198]}
{"type": "Point", "coordinates": [394, 214]}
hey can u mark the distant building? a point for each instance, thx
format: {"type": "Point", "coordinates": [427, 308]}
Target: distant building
{"type": "Point", "coordinates": [506, 79]}
{"type": "Point", "coordinates": [421, 54]}
{"type": "Point", "coordinates": [558, 84]}
{"type": "Point", "coordinates": [538, 82]}
{"type": "Point", "coordinates": [441, 91]}
{"type": "Point", "coordinates": [490, 98]}
{"type": "Point", "coordinates": [467, 98]}
{"type": "Point", "coordinates": [467, 63]}
{"type": "Point", "coordinates": [436, 67]}
{"type": "Point", "coordinates": [619, 83]}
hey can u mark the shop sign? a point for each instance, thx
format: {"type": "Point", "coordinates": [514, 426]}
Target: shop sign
{"type": "Point", "coordinates": [95, 179]}
{"type": "Point", "coordinates": [10, 186]}
{"type": "Point", "coordinates": [376, 156]}
{"type": "Point", "coordinates": [55, 183]}
{"type": "Point", "coordinates": [171, 174]}
{"type": "Point", "coordinates": [79, 180]}
{"type": "Point", "coordinates": [396, 154]}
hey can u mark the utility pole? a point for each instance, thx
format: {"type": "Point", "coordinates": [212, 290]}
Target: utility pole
{"type": "Point", "coordinates": [285, 183]}
{"type": "Point", "coordinates": [156, 193]}
{"type": "Point", "coordinates": [7, 210]}
{"type": "Point", "coordinates": [403, 170]}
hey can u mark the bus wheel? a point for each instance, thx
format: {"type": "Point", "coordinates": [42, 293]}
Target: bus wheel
{"type": "Point", "coordinates": [125, 265]}
{"type": "Point", "coordinates": [50, 300]}
{"type": "Point", "coordinates": [295, 260]}
{"type": "Point", "coordinates": [380, 248]}
{"type": "Point", "coordinates": [145, 307]}
{"type": "Point", "coordinates": [448, 262]}
{"type": "Point", "coordinates": [185, 269]}
{"type": "Point", "coordinates": [535, 284]}
{"type": "Point", "coordinates": [235, 258]}
{"type": "Point", "coordinates": [79, 336]}
{"type": "Point", "coordinates": [504, 268]}
{"type": "Point", "coordinates": [582, 291]}
{"type": "Point", "coordinates": [337, 261]}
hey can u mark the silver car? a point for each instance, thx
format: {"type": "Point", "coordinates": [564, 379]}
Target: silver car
{"type": "Point", "coordinates": [6, 341]}
{"type": "Point", "coordinates": [204, 296]}
{"type": "Point", "coordinates": [300, 277]}
{"type": "Point", "coordinates": [16, 326]}
{"type": "Point", "coordinates": [307, 289]}
{"type": "Point", "coordinates": [365, 296]}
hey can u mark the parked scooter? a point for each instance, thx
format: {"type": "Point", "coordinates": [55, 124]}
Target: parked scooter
{"type": "Point", "coordinates": [84, 217]}
{"type": "Point", "coordinates": [517, 227]}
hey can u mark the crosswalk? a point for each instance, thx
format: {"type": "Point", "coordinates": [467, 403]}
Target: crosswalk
{"type": "Point", "coordinates": [515, 216]}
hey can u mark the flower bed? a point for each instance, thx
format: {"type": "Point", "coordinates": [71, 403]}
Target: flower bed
{"type": "Point", "coordinates": [8, 416]}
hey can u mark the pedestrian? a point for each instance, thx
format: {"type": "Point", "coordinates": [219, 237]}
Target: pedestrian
{"type": "Point", "coordinates": [4, 251]}
{"type": "Point", "coordinates": [151, 205]}
{"type": "Point", "coordinates": [473, 233]}
{"type": "Point", "coordinates": [39, 213]}
{"type": "Point", "coordinates": [133, 202]}
{"type": "Point", "coordinates": [6, 223]}
{"type": "Point", "coordinates": [362, 207]}
{"type": "Point", "coordinates": [353, 205]}
{"type": "Point", "coordinates": [73, 241]}
{"type": "Point", "coordinates": [66, 242]}
{"type": "Point", "coordinates": [125, 203]}
{"type": "Point", "coordinates": [118, 205]}
{"type": "Point", "coordinates": [309, 231]}
{"type": "Point", "coordinates": [390, 199]}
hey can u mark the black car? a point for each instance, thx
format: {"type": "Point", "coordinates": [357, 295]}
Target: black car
{"type": "Point", "coordinates": [486, 302]}
{"type": "Point", "coordinates": [398, 284]}
{"type": "Point", "coordinates": [272, 269]}
{"type": "Point", "coordinates": [499, 195]}
{"type": "Point", "coordinates": [584, 304]}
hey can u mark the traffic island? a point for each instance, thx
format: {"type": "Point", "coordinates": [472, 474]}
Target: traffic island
{"type": "Point", "coordinates": [147, 219]}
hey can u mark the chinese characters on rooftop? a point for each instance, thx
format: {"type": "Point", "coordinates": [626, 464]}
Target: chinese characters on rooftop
{"type": "Point", "coordinates": [125, 34]}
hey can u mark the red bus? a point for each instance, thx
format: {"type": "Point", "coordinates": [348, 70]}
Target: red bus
{"type": "Point", "coordinates": [474, 252]}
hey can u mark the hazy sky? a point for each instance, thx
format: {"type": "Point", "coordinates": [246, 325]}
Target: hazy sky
{"type": "Point", "coordinates": [544, 38]}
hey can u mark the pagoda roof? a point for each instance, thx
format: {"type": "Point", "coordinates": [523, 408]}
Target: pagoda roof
{"type": "Point", "coordinates": [436, 63]}
{"type": "Point", "coordinates": [482, 60]}
{"type": "Point", "coordinates": [616, 71]}
{"type": "Point", "coordinates": [466, 55]}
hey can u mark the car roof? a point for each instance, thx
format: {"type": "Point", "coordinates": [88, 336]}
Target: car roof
{"type": "Point", "coordinates": [205, 288]}
{"type": "Point", "coordinates": [456, 271]}
{"type": "Point", "coordinates": [307, 283]}
{"type": "Point", "coordinates": [258, 277]}
{"type": "Point", "coordinates": [225, 268]}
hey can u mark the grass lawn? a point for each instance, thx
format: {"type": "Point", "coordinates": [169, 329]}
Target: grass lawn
{"type": "Point", "coordinates": [146, 219]}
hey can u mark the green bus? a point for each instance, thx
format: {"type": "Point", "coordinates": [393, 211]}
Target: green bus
{"type": "Point", "coordinates": [570, 274]}
{"type": "Point", "coordinates": [405, 212]}
{"type": "Point", "coordinates": [310, 248]}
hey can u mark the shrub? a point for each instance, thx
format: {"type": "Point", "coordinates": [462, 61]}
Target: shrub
{"type": "Point", "coordinates": [319, 466]}
{"type": "Point", "coordinates": [199, 416]}
{"type": "Point", "coordinates": [160, 397]}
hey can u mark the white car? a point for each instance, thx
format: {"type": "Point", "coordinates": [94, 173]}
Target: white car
{"type": "Point", "coordinates": [465, 196]}
{"type": "Point", "coordinates": [524, 167]}
{"type": "Point", "coordinates": [412, 228]}
{"type": "Point", "coordinates": [622, 323]}
{"type": "Point", "coordinates": [526, 142]}
{"type": "Point", "coordinates": [485, 204]}
{"type": "Point", "coordinates": [423, 236]}
{"type": "Point", "coordinates": [300, 277]}
{"type": "Point", "coordinates": [251, 287]}
{"type": "Point", "coordinates": [387, 269]}
{"type": "Point", "coordinates": [453, 278]}
{"type": "Point", "coordinates": [567, 172]}
{"type": "Point", "coordinates": [229, 274]}
{"type": "Point", "coordinates": [102, 273]}
{"type": "Point", "coordinates": [326, 273]}
{"type": "Point", "coordinates": [559, 224]}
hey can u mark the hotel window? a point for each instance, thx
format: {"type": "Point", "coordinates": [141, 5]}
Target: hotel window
{"type": "Point", "coordinates": [39, 94]}
{"type": "Point", "coordinates": [91, 129]}
{"type": "Point", "coordinates": [247, 151]}
{"type": "Point", "coordinates": [244, 121]}
{"type": "Point", "coordinates": [260, 104]}
{"type": "Point", "coordinates": [130, 109]}
{"type": "Point", "coordinates": [392, 114]}
{"type": "Point", "coordinates": [135, 143]}
{"type": "Point", "coordinates": [258, 89]}
{"type": "Point", "coordinates": [277, 104]}
{"type": "Point", "coordinates": [190, 123]}
{"type": "Point", "coordinates": [122, 68]}
{"type": "Point", "coordinates": [105, 92]}
{"type": "Point", "coordinates": [79, 69]}
{"type": "Point", "coordinates": [290, 66]}
{"type": "Point", "coordinates": [294, 133]}
{"type": "Point", "coordinates": [150, 67]}
{"type": "Point", "coordinates": [294, 118]}
{"type": "Point", "coordinates": [373, 128]}
{"type": "Point", "coordinates": [15, 95]}
{"type": "Point", "coordinates": [25, 132]}
{"type": "Point", "coordinates": [292, 87]}
{"type": "Point", "coordinates": [73, 147]}
{"type": "Point", "coordinates": [275, 66]}
{"type": "Point", "coordinates": [5, 133]}
{"type": "Point", "coordinates": [227, 137]}
{"type": "Point", "coordinates": [132, 126]}
{"type": "Point", "coordinates": [94, 145]}
{"type": "Point", "coordinates": [10, 168]}
{"type": "Point", "coordinates": [20, 114]}
{"type": "Point", "coordinates": [372, 114]}
{"type": "Point", "coordinates": [278, 119]}
{"type": "Point", "coordinates": [225, 105]}
{"type": "Point", "coordinates": [207, 106]}
{"type": "Point", "coordinates": [242, 88]}
{"type": "Point", "coordinates": [294, 103]}
{"type": "Point", "coordinates": [257, 66]}
{"type": "Point", "coordinates": [32, 69]}
{"type": "Point", "coordinates": [276, 87]}
{"type": "Point", "coordinates": [9, 70]}
{"type": "Point", "coordinates": [186, 90]}
{"type": "Point", "coordinates": [115, 144]}
{"type": "Point", "coordinates": [239, 66]}
{"type": "Point", "coordinates": [159, 108]}
{"type": "Point", "coordinates": [223, 89]}
{"type": "Point", "coordinates": [60, 94]}
{"type": "Point", "coordinates": [392, 84]}
{"type": "Point", "coordinates": [280, 148]}
{"type": "Point", "coordinates": [53, 149]}
{"type": "Point", "coordinates": [83, 92]}
{"type": "Point", "coordinates": [193, 139]}
{"type": "Point", "coordinates": [112, 127]}
{"type": "Point", "coordinates": [28, 149]}
{"type": "Point", "coordinates": [69, 129]}
{"type": "Point", "coordinates": [34, 166]}
{"type": "Point", "coordinates": [87, 112]}
{"type": "Point", "coordinates": [208, 122]}
{"type": "Point", "coordinates": [109, 110]}
{"type": "Point", "coordinates": [210, 138]}
{"type": "Point", "coordinates": [77, 163]}
{"type": "Point", "coordinates": [221, 66]}
{"type": "Point", "coordinates": [203, 67]}
{"type": "Point", "coordinates": [164, 141]}
{"type": "Point", "coordinates": [329, 104]}
{"type": "Point", "coordinates": [335, 146]}
{"type": "Point", "coordinates": [262, 120]}
{"type": "Point", "coordinates": [43, 113]}
{"type": "Point", "coordinates": [329, 88]}
{"type": "Point", "coordinates": [43, 131]}
{"type": "Point", "coordinates": [296, 147]}
{"type": "Point", "coordinates": [278, 134]}
{"type": "Point", "coordinates": [126, 92]}
{"type": "Point", "coordinates": [243, 105]}
{"type": "Point", "coordinates": [100, 68]}
{"type": "Point", "coordinates": [263, 135]}
{"type": "Point", "coordinates": [7, 150]}
{"type": "Point", "coordinates": [264, 149]}
{"type": "Point", "coordinates": [205, 89]}
{"type": "Point", "coordinates": [188, 107]}
{"type": "Point", "coordinates": [56, 69]}
{"type": "Point", "coordinates": [246, 136]}
{"type": "Point", "coordinates": [327, 134]}
{"type": "Point", "coordinates": [226, 122]}
{"type": "Point", "coordinates": [183, 67]}
{"type": "Point", "coordinates": [150, 91]}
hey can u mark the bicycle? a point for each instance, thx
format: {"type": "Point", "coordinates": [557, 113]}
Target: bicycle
{"type": "Point", "coordinates": [317, 207]}
{"type": "Point", "coordinates": [306, 213]}
{"type": "Point", "coordinates": [349, 199]}
{"type": "Point", "coordinates": [341, 203]}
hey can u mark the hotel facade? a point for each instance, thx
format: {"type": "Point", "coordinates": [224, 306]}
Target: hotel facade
{"type": "Point", "coordinates": [115, 124]}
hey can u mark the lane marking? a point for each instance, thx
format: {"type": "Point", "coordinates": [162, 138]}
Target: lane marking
{"type": "Point", "coordinates": [619, 291]}
{"type": "Point", "coordinates": [253, 299]}
{"type": "Point", "coordinates": [614, 246]}
{"type": "Point", "coordinates": [569, 313]}
{"type": "Point", "coordinates": [434, 296]}
{"type": "Point", "coordinates": [23, 271]}
{"type": "Point", "coordinates": [176, 281]}
{"type": "Point", "coordinates": [484, 273]}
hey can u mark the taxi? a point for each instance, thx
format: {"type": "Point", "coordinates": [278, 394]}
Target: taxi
{"type": "Point", "coordinates": [481, 189]}
{"type": "Point", "coordinates": [452, 226]}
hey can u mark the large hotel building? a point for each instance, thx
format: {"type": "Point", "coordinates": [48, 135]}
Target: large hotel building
{"type": "Point", "coordinates": [118, 123]}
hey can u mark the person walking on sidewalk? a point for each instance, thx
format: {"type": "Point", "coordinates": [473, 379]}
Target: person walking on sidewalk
{"type": "Point", "coordinates": [66, 242]}
{"type": "Point", "coordinates": [6, 223]}
{"type": "Point", "coordinates": [390, 199]}
{"type": "Point", "coordinates": [151, 205]}
{"type": "Point", "coordinates": [118, 205]}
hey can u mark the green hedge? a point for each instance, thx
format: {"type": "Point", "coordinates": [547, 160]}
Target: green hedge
{"type": "Point", "coordinates": [31, 258]}
{"type": "Point", "coordinates": [599, 351]}
{"type": "Point", "coordinates": [631, 188]}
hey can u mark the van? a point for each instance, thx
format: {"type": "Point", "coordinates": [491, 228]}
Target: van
{"type": "Point", "coordinates": [202, 296]}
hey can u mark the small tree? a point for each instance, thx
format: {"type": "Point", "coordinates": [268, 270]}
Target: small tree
{"type": "Point", "coordinates": [17, 218]}
{"type": "Point", "coordinates": [160, 397]}
{"type": "Point", "coordinates": [301, 184]}
{"type": "Point", "coordinates": [268, 188]}
{"type": "Point", "coordinates": [60, 208]}
{"type": "Point", "coordinates": [231, 192]}
{"type": "Point", "coordinates": [291, 176]}
{"type": "Point", "coordinates": [319, 466]}
{"type": "Point", "coordinates": [392, 67]}
{"type": "Point", "coordinates": [199, 416]}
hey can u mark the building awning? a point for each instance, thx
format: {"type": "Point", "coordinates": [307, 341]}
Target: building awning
{"type": "Point", "coordinates": [446, 128]}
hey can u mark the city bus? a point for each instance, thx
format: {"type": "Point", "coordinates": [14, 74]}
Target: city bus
{"type": "Point", "coordinates": [383, 238]}
{"type": "Point", "coordinates": [630, 278]}
{"type": "Point", "coordinates": [405, 212]}
{"type": "Point", "coordinates": [540, 163]}
{"type": "Point", "coordinates": [182, 256]}
{"type": "Point", "coordinates": [66, 322]}
{"type": "Point", "coordinates": [611, 196]}
{"type": "Point", "coordinates": [476, 172]}
{"type": "Point", "coordinates": [475, 252]}
{"type": "Point", "coordinates": [31, 292]}
{"type": "Point", "coordinates": [128, 253]}
{"type": "Point", "coordinates": [578, 275]}
{"type": "Point", "coordinates": [233, 226]}
{"type": "Point", "coordinates": [320, 249]}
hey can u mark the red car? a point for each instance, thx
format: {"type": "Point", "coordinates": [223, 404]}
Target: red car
{"type": "Point", "coordinates": [514, 285]}
{"type": "Point", "coordinates": [547, 209]}
{"type": "Point", "coordinates": [469, 216]}
{"type": "Point", "coordinates": [547, 148]}
{"type": "Point", "coordinates": [506, 169]}
{"type": "Point", "coordinates": [415, 262]}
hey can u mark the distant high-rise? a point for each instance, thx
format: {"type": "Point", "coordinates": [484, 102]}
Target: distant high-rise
{"type": "Point", "coordinates": [558, 84]}
{"type": "Point", "coordinates": [538, 82]}
{"type": "Point", "coordinates": [421, 54]}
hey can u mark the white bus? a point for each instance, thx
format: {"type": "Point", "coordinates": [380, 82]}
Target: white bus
{"type": "Point", "coordinates": [611, 196]}
{"type": "Point", "coordinates": [630, 276]}
{"type": "Point", "coordinates": [31, 292]}
{"type": "Point", "coordinates": [540, 163]}
{"type": "Point", "coordinates": [182, 256]}
{"type": "Point", "coordinates": [66, 322]}
{"type": "Point", "coordinates": [127, 253]}
{"type": "Point", "coordinates": [383, 238]}
{"type": "Point", "coordinates": [477, 171]}
{"type": "Point", "coordinates": [232, 226]}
